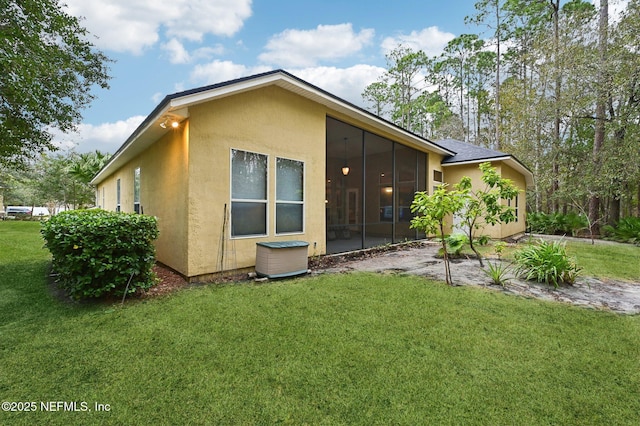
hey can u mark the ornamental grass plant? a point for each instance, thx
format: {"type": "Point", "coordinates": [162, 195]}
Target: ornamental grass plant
{"type": "Point", "coordinates": [546, 262]}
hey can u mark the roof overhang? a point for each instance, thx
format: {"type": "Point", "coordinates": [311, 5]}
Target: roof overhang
{"type": "Point", "coordinates": [176, 107]}
{"type": "Point", "coordinates": [507, 159]}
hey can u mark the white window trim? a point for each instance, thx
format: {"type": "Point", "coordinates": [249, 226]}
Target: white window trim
{"type": "Point", "coordinates": [244, 200]}
{"type": "Point", "coordinates": [139, 179]}
{"type": "Point", "coordinates": [304, 196]}
{"type": "Point", "coordinates": [118, 195]}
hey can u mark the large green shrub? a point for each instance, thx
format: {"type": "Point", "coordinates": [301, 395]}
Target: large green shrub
{"type": "Point", "coordinates": [95, 252]}
{"type": "Point", "coordinates": [557, 223]}
{"type": "Point", "coordinates": [625, 231]}
{"type": "Point", "coordinates": [546, 262]}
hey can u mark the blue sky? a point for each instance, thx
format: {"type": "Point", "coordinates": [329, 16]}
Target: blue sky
{"type": "Point", "coordinates": [164, 47]}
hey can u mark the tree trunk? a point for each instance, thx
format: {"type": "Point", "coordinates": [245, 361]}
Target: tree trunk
{"type": "Point", "coordinates": [445, 255]}
{"type": "Point", "coordinates": [473, 248]}
{"type": "Point", "coordinates": [498, 33]}
{"type": "Point", "coordinates": [638, 200]}
{"type": "Point", "coordinates": [614, 210]}
{"type": "Point", "coordinates": [598, 139]}
{"type": "Point", "coordinates": [558, 93]}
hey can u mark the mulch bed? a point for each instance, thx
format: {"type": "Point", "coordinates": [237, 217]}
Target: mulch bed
{"type": "Point", "coordinates": [170, 281]}
{"type": "Point", "coordinates": [330, 260]}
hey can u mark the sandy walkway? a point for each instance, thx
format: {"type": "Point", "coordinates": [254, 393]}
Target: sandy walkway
{"type": "Point", "coordinates": [616, 296]}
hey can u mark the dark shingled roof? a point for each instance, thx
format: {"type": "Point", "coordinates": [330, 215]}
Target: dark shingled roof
{"type": "Point", "coordinates": [468, 152]}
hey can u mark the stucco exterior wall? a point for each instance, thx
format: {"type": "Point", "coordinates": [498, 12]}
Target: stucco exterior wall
{"type": "Point", "coordinates": [434, 161]}
{"type": "Point", "coordinates": [269, 121]}
{"type": "Point", "coordinates": [519, 226]}
{"type": "Point", "coordinates": [163, 193]}
{"type": "Point", "coordinates": [453, 174]}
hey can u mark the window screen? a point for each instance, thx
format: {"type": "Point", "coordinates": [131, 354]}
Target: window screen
{"type": "Point", "coordinates": [248, 193]}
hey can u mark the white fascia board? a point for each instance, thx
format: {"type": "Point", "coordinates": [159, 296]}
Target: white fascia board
{"type": "Point", "coordinates": [485, 160]}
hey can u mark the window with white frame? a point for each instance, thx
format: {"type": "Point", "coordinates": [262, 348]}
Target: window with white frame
{"type": "Point", "coordinates": [515, 209]}
{"type": "Point", "coordinates": [118, 195]}
{"type": "Point", "coordinates": [248, 193]}
{"type": "Point", "coordinates": [136, 190]}
{"type": "Point", "coordinates": [289, 196]}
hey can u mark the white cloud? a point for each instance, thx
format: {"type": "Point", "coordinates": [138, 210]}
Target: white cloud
{"type": "Point", "coordinates": [346, 83]}
{"type": "Point", "coordinates": [430, 40]}
{"type": "Point", "coordinates": [106, 137]}
{"type": "Point", "coordinates": [177, 53]}
{"type": "Point", "coordinates": [133, 25]}
{"type": "Point", "coordinates": [219, 71]}
{"type": "Point", "coordinates": [304, 48]}
{"type": "Point", "coordinates": [199, 17]}
{"type": "Point", "coordinates": [157, 97]}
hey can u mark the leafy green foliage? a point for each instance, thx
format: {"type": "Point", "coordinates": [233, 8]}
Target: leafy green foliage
{"type": "Point", "coordinates": [557, 223]}
{"type": "Point", "coordinates": [86, 165]}
{"type": "Point", "coordinates": [431, 212]}
{"type": "Point", "coordinates": [499, 247]}
{"type": "Point", "coordinates": [48, 70]}
{"type": "Point", "coordinates": [96, 252]}
{"type": "Point", "coordinates": [484, 206]}
{"type": "Point", "coordinates": [483, 240]}
{"type": "Point", "coordinates": [455, 243]}
{"type": "Point", "coordinates": [625, 231]}
{"type": "Point", "coordinates": [497, 272]}
{"type": "Point", "coordinates": [55, 179]}
{"type": "Point", "coordinates": [546, 262]}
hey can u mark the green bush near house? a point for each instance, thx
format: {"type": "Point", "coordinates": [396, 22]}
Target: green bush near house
{"type": "Point", "coordinates": [97, 253]}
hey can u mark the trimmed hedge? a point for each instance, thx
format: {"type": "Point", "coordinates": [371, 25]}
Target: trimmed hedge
{"type": "Point", "coordinates": [95, 252]}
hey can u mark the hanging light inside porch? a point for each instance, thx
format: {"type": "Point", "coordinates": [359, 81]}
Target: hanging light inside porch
{"type": "Point", "coordinates": [345, 168]}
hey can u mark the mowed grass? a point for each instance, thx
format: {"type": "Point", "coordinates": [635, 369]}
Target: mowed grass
{"type": "Point", "coordinates": [614, 261]}
{"type": "Point", "coordinates": [603, 260]}
{"type": "Point", "coordinates": [331, 349]}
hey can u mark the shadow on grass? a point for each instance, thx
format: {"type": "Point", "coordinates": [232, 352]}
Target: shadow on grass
{"type": "Point", "coordinates": [28, 293]}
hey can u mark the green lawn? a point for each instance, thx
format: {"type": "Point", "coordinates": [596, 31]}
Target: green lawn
{"type": "Point", "coordinates": [605, 261]}
{"type": "Point", "coordinates": [333, 349]}
{"type": "Point", "coordinates": [616, 261]}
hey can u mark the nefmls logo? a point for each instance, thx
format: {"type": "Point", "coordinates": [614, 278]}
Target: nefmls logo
{"type": "Point", "coordinates": [64, 406]}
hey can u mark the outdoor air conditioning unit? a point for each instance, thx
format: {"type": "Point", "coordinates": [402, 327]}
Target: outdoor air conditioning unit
{"type": "Point", "coordinates": [281, 259]}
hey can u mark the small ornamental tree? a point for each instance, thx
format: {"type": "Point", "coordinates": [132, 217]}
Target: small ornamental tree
{"type": "Point", "coordinates": [432, 211]}
{"type": "Point", "coordinates": [484, 206]}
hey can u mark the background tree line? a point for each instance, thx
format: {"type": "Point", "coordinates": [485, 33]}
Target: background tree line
{"type": "Point", "coordinates": [49, 69]}
{"type": "Point", "coordinates": [59, 180]}
{"type": "Point", "coordinates": [554, 84]}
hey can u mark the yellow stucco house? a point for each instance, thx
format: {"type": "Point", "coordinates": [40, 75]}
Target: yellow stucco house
{"type": "Point", "coordinates": [272, 158]}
